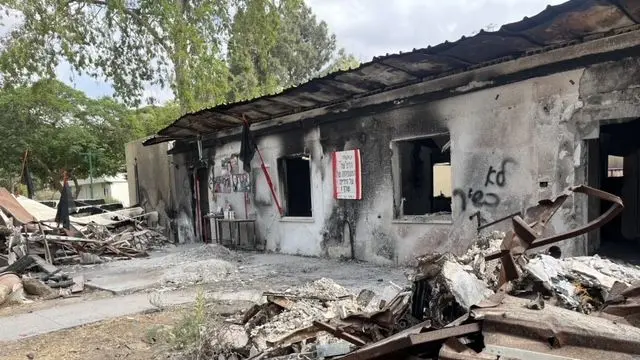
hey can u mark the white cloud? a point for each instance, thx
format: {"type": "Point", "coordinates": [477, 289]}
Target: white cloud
{"type": "Point", "coordinates": [369, 28]}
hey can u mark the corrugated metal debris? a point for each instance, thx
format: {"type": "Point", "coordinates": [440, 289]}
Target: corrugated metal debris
{"type": "Point", "coordinates": [31, 243]}
{"type": "Point", "coordinates": [525, 306]}
{"type": "Point", "coordinates": [566, 24]}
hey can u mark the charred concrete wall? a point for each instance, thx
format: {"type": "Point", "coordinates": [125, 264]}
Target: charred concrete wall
{"type": "Point", "coordinates": [511, 146]}
{"type": "Point", "coordinates": [159, 182]}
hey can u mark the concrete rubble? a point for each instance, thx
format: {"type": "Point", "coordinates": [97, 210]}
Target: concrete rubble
{"type": "Point", "coordinates": [319, 319]}
{"type": "Point", "coordinates": [474, 306]}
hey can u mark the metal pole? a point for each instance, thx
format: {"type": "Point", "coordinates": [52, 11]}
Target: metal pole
{"type": "Point", "coordinates": [90, 154]}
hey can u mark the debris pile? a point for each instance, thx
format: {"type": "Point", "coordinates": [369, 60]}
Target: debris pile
{"type": "Point", "coordinates": [581, 283]}
{"type": "Point", "coordinates": [28, 227]}
{"type": "Point", "coordinates": [31, 275]}
{"type": "Point", "coordinates": [316, 320]}
{"type": "Point", "coordinates": [446, 286]}
{"type": "Point", "coordinates": [496, 301]}
{"type": "Point", "coordinates": [32, 244]}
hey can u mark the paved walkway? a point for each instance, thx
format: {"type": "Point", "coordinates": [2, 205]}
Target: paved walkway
{"type": "Point", "coordinates": [63, 317]}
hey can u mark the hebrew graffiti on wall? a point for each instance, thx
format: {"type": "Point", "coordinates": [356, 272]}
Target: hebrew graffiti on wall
{"type": "Point", "coordinates": [486, 196]}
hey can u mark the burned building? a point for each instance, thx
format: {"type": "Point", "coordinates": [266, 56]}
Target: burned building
{"type": "Point", "coordinates": [437, 145]}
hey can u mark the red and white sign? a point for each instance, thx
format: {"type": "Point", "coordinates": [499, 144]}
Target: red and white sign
{"type": "Point", "coordinates": [347, 176]}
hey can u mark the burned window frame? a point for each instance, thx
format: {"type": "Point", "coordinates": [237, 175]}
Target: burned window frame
{"type": "Point", "coordinates": [443, 138]}
{"type": "Point", "coordinates": [284, 186]}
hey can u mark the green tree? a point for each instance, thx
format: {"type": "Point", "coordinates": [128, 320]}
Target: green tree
{"type": "Point", "coordinates": [130, 43]}
{"type": "Point", "coordinates": [275, 45]}
{"type": "Point", "coordinates": [343, 61]}
{"type": "Point", "coordinates": [196, 47]}
{"type": "Point", "coordinates": [58, 125]}
{"type": "Point", "coordinates": [151, 119]}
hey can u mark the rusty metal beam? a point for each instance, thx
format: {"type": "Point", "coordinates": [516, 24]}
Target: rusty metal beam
{"type": "Point", "coordinates": [524, 236]}
{"type": "Point", "coordinates": [603, 219]}
{"type": "Point", "coordinates": [339, 333]}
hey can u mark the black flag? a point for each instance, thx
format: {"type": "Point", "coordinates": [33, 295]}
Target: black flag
{"type": "Point", "coordinates": [247, 148]}
{"type": "Point", "coordinates": [28, 180]}
{"type": "Point", "coordinates": [26, 176]}
{"type": "Point", "coordinates": [62, 215]}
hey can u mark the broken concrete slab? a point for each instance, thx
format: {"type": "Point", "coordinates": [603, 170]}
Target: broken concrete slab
{"type": "Point", "coordinates": [466, 288]}
{"type": "Point", "coordinates": [78, 284]}
{"type": "Point", "coordinates": [231, 336]}
{"type": "Point", "coordinates": [44, 266]}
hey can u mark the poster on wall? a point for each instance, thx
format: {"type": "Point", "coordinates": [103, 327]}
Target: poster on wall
{"type": "Point", "coordinates": [347, 176]}
{"type": "Point", "coordinates": [231, 178]}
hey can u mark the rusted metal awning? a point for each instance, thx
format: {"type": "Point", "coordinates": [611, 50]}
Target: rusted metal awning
{"type": "Point", "coordinates": [11, 206]}
{"type": "Point", "coordinates": [566, 24]}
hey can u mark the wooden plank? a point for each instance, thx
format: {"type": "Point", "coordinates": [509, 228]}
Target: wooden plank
{"type": "Point", "coordinates": [283, 302]}
{"type": "Point", "coordinates": [73, 239]}
{"type": "Point", "coordinates": [45, 266]}
{"type": "Point", "coordinates": [20, 265]}
{"type": "Point", "coordinates": [339, 333]}
{"type": "Point", "coordinates": [47, 251]}
{"type": "Point", "coordinates": [78, 284]}
{"type": "Point", "coordinates": [444, 333]}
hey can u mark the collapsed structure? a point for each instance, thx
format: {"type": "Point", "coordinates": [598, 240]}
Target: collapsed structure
{"type": "Point", "coordinates": [418, 152]}
{"type": "Point", "coordinates": [32, 243]}
{"type": "Point", "coordinates": [525, 306]}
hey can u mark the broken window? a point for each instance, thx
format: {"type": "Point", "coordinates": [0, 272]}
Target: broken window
{"type": "Point", "coordinates": [295, 181]}
{"type": "Point", "coordinates": [615, 166]}
{"type": "Point", "coordinates": [422, 174]}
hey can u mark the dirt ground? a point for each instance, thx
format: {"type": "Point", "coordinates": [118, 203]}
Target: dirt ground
{"type": "Point", "coordinates": [121, 338]}
{"type": "Point", "coordinates": [131, 337]}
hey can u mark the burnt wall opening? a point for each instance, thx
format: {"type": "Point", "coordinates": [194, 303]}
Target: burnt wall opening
{"type": "Point", "coordinates": [295, 174]}
{"type": "Point", "coordinates": [424, 176]}
{"type": "Point", "coordinates": [620, 175]}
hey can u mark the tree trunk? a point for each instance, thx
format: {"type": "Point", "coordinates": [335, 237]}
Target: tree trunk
{"type": "Point", "coordinates": [179, 58]}
{"type": "Point", "coordinates": [75, 183]}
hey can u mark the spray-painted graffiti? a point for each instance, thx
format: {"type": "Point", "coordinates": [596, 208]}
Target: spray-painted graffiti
{"type": "Point", "coordinates": [485, 197]}
{"type": "Point", "coordinates": [498, 177]}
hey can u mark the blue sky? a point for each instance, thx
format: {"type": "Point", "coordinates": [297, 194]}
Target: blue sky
{"type": "Point", "coordinates": [368, 28]}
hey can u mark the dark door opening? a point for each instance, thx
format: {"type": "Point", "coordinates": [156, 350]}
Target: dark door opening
{"type": "Point", "coordinates": [620, 175]}
{"type": "Point", "coordinates": [295, 175]}
{"type": "Point", "coordinates": [203, 194]}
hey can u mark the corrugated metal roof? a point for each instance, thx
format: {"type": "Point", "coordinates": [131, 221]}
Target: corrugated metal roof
{"type": "Point", "coordinates": [561, 25]}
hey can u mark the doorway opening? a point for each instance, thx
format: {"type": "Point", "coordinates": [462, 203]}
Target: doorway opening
{"type": "Point", "coordinates": [619, 165]}
{"type": "Point", "coordinates": [295, 181]}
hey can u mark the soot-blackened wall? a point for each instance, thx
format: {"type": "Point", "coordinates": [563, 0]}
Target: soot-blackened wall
{"type": "Point", "coordinates": [511, 146]}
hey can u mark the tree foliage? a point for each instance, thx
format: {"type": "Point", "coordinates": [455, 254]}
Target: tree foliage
{"type": "Point", "coordinates": [203, 52]}
{"type": "Point", "coordinates": [130, 43]}
{"type": "Point", "coordinates": [343, 61]}
{"type": "Point", "coordinates": [59, 126]}
{"type": "Point", "coordinates": [275, 46]}
{"type": "Point", "coordinates": [149, 120]}
{"type": "Point", "coordinates": [207, 51]}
